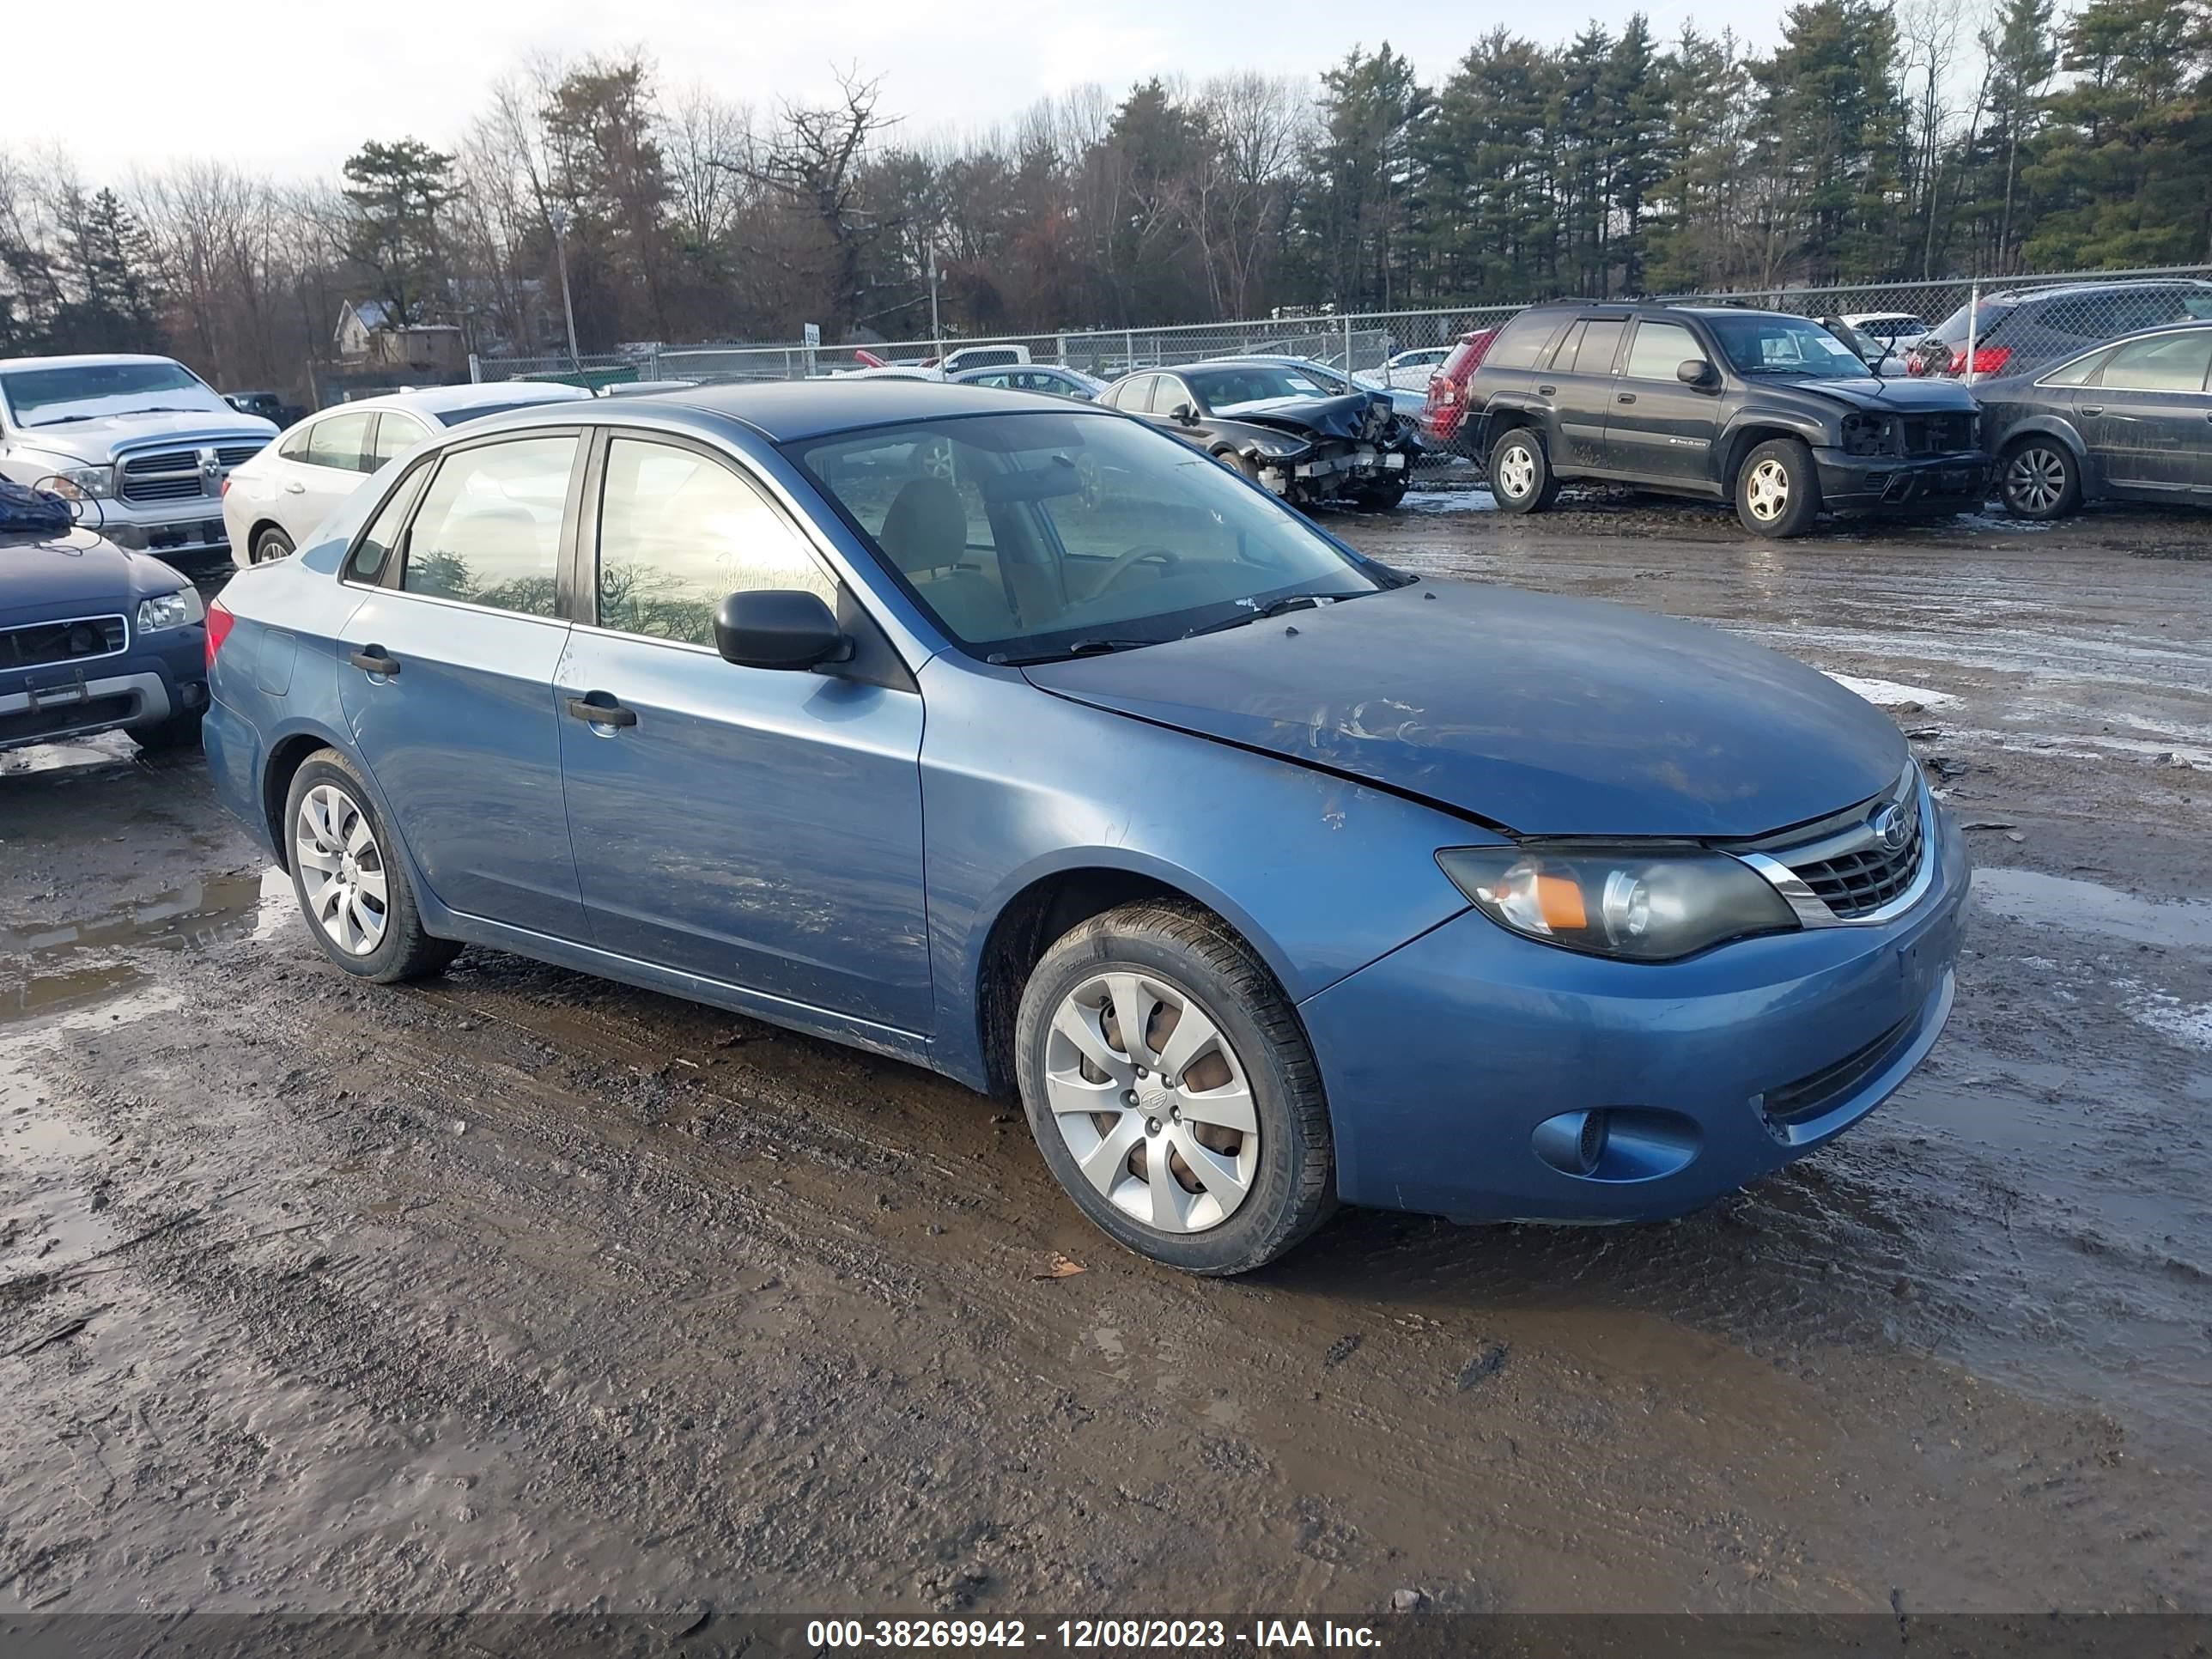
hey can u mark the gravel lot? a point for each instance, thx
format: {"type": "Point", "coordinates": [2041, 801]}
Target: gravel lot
{"type": "Point", "coordinates": [521, 1289]}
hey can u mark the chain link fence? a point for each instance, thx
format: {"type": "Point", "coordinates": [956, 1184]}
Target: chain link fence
{"type": "Point", "coordinates": [1961, 327]}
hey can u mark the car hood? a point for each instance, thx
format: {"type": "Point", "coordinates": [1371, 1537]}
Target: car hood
{"type": "Point", "coordinates": [1897, 396]}
{"type": "Point", "coordinates": [95, 442]}
{"type": "Point", "coordinates": [1350, 415]}
{"type": "Point", "coordinates": [75, 573]}
{"type": "Point", "coordinates": [1539, 715]}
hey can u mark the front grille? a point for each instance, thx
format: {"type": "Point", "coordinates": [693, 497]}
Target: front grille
{"type": "Point", "coordinates": [237, 454]}
{"type": "Point", "coordinates": [162, 490]}
{"type": "Point", "coordinates": [74, 640]}
{"type": "Point", "coordinates": [174, 475]}
{"type": "Point", "coordinates": [56, 720]}
{"type": "Point", "coordinates": [1818, 1092]}
{"type": "Point", "coordinates": [1938, 434]}
{"type": "Point", "coordinates": [1859, 881]}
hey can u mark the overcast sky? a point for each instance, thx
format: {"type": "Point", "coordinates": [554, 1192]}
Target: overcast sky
{"type": "Point", "coordinates": [292, 87]}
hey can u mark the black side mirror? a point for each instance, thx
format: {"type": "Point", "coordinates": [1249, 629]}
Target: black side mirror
{"type": "Point", "coordinates": [779, 627]}
{"type": "Point", "coordinates": [1697, 372]}
{"type": "Point", "coordinates": [1183, 415]}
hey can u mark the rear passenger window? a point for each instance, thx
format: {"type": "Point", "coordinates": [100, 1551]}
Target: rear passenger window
{"type": "Point", "coordinates": [679, 533]}
{"type": "Point", "coordinates": [382, 535]}
{"type": "Point", "coordinates": [338, 441]}
{"type": "Point", "coordinates": [2165, 362]}
{"type": "Point", "coordinates": [1601, 338]}
{"type": "Point", "coordinates": [489, 530]}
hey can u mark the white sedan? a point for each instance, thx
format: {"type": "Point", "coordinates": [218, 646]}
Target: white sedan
{"type": "Point", "coordinates": [273, 502]}
{"type": "Point", "coordinates": [1410, 371]}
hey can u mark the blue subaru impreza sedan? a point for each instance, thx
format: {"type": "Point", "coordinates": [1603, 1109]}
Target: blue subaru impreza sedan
{"type": "Point", "coordinates": [1020, 741]}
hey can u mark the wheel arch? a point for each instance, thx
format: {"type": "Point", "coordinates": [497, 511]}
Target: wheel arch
{"type": "Point", "coordinates": [1496, 419]}
{"type": "Point", "coordinates": [287, 754]}
{"type": "Point", "coordinates": [1747, 434]}
{"type": "Point", "coordinates": [2045, 425]}
{"type": "Point", "coordinates": [1045, 905]}
{"type": "Point", "coordinates": [254, 531]}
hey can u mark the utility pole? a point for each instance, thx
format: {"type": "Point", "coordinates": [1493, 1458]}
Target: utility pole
{"type": "Point", "coordinates": [558, 217]}
{"type": "Point", "coordinates": [936, 333]}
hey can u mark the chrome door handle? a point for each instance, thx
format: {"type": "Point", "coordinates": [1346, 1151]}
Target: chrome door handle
{"type": "Point", "coordinates": [2093, 409]}
{"type": "Point", "coordinates": [1547, 390]}
{"type": "Point", "coordinates": [295, 488]}
{"type": "Point", "coordinates": [1625, 398]}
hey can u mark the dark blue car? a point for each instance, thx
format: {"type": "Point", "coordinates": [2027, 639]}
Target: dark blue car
{"type": "Point", "coordinates": [95, 639]}
{"type": "Point", "coordinates": [1018, 740]}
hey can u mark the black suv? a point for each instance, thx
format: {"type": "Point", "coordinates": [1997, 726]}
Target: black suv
{"type": "Point", "coordinates": [1766, 409]}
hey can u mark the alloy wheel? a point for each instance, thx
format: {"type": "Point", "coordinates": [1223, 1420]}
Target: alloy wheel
{"type": "Point", "coordinates": [1153, 1104]}
{"type": "Point", "coordinates": [1517, 471]}
{"type": "Point", "coordinates": [341, 870]}
{"type": "Point", "coordinates": [1767, 491]}
{"type": "Point", "coordinates": [2035, 480]}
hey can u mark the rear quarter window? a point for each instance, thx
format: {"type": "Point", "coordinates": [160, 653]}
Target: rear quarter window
{"type": "Point", "coordinates": [1520, 341]}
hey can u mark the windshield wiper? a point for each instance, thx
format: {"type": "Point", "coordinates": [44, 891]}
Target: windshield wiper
{"type": "Point", "coordinates": [59, 420]}
{"type": "Point", "coordinates": [167, 408]}
{"type": "Point", "coordinates": [1273, 608]}
{"type": "Point", "coordinates": [1079, 649]}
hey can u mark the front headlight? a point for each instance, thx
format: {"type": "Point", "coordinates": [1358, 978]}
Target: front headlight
{"type": "Point", "coordinates": [1639, 903]}
{"type": "Point", "coordinates": [1870, 435]}
{"type": "Point", "coordinates": [1279, 447]}
{"type": "Point", "coordinates": [81, 484]}
{"type": "Point", "coordinates": [170, 610]}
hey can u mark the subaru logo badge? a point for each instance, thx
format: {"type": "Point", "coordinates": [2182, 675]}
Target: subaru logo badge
{"type": "Point", "coordinates": [1891, 827]}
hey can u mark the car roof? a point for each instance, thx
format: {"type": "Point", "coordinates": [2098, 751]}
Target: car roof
{"type": "Point", "coordinates": [784, 411]}
{"type": "Point", "coordinates": [447, 399]}
{"type": "Point", "coordinates": [2076, 291]}
{"type": "Point", "coordinates": [89, 359]}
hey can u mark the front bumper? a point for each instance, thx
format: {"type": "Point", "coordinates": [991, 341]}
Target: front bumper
{"type": "Point", "coordinates": [189, 535]}
{"type": "Point", "coordinates": [1887, 483]}
{"type": "Point", "coordinates": [1455, 1065]}
{"type": "Point", "coordinates": [1335, 468]}
{"type": "Point", "coordinates": [161, 675]}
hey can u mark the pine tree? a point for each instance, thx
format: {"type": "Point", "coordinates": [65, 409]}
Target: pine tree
{"type": "Point", "coordinates": [398, 190]}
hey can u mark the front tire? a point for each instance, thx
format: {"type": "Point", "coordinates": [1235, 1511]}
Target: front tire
{"type": "Point", "coordinates": [270, 544]}
{"type": "Point", "coordinates": [2040, 479]}
{"type": "Point", "coordinates": [353, 889]}
{"type": "Point", "coordinates": [1520, 477]}
{"type": "Point", "coordinates": [1383, 498]}
{"type": "Point", "coordinates": [1171, 1090]}
{"type": "Point", "coordinates": [1777, 492]}
{"type": "Point", "coordinates": [178, 732]}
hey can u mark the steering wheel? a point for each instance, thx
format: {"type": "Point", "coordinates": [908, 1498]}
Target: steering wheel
{"type": "Point", "coordinates": [1130, 561]}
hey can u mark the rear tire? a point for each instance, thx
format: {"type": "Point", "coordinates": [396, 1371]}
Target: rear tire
{"type": "Point", "coordinates": [1777, 491]}
{"type": "Point", "coordinates": [1521, 473]}
{"type": "Point", "coordinates": [352, 886]}
{"type": "Point", "coordinates": [2040, 479]}
{"type": "Point", "coordinates": [270, 544]}
{"type": "Point", "coordinates": [1235, 1114]}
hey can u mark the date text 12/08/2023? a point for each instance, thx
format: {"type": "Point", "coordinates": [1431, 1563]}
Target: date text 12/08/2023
{"type": "Point", "coordinates": [1262, 1635]}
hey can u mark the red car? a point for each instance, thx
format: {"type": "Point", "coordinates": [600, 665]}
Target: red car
{"type": "Point", "coordinates": [1445, 412]}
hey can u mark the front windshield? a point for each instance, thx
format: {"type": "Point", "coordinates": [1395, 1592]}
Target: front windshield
{"type": "Point", "coordinates": [1757, 345]}
{"type": "Point", "coordinates": [1034, 535]}
{"type": "Point", "coordinates": [1228, 390]}
{"type": "Point", "coordinates": [79, 391]}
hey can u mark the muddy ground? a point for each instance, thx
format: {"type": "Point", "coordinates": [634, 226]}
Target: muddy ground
{"type": "Point", "coordinates": [518, 1289]}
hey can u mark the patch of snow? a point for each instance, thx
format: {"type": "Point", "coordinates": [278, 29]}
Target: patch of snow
{"type": "Point", "coordinates": [1439, 501]}
{"type": "Point", "coordinates": [1888, 693]}
{"type": "Point", "coordinates": [2170, 1017]}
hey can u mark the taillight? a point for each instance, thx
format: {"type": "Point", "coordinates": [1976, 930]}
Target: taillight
{"type": "Point", "coordinates": [1988, 360]}
{"type": "Point", "coordinates": [219, 620]}
{"type": "Point", "coordinates": [225, 488]}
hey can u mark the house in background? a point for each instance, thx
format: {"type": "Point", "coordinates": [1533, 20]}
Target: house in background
{"type": "Point", "coordinates": [368, 338]}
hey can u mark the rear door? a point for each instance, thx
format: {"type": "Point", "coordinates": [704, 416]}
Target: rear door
{"type": "Point", "coordinates": [2145, 420]}
{"type": "Point", "coordinates": [760, 827]}
{"type": "Point", "coordinates": [1659, 428]}
{"type": "Point", "coordinates": [318, 466]}
{"type": "Point", "coordinates": [1579, 384]}
{"type": "Point", "coordinates": [446, 676]}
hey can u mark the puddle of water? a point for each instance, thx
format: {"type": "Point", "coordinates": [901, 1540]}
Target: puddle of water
{"type": "Point", "coordinates": [2088, 907]}
{"type": "Point", "coordinates": [72, 965]}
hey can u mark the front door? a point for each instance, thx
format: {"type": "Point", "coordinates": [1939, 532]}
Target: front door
{"type": "Point", "coordinates": [318, 466]}
{"type": "Point", "coordinates": [2145, 420]}
{"type": "Point", "coordinates": [446, 676]}
{"type": "Point", "coordinates": [758, 828]}
{"type": "Point", "coordinates": [1659, 428]}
